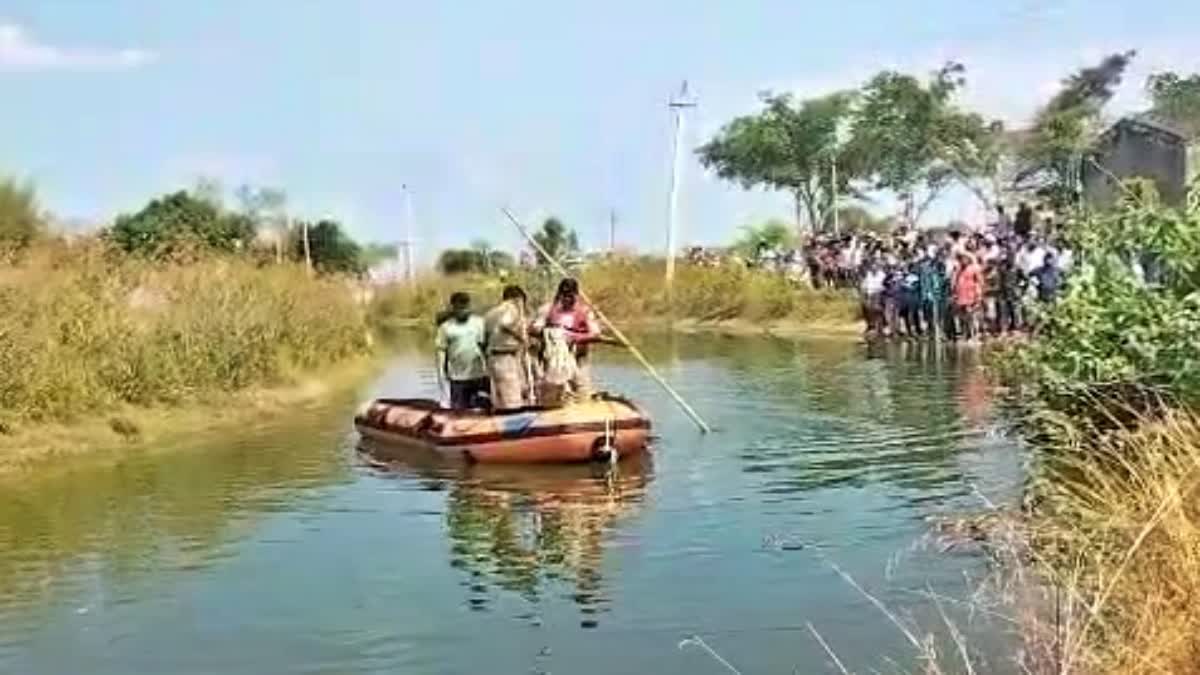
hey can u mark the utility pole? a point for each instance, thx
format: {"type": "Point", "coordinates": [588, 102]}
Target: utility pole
{"type": "Point", "coordinates": [612, 231]}
{"type": "Point", "coordinates": [407, 244]}
{"type": "Point", "coordinates": [307, 246]}
{"type": "Point", "coordinates": [833, 196]}
{"type": "Point", "coordinates": [678, 106]}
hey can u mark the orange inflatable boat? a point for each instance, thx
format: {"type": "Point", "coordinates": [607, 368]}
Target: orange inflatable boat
{"type": "Point", "coordinates": [582, 432]}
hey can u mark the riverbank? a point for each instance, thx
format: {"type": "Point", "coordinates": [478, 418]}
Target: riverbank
{"type": "Point", "coordinates": [98, 347]}
{"type": "Point", "coordinates": [109, 436]}
{"type": "Point", "coordinates": [722, 300]}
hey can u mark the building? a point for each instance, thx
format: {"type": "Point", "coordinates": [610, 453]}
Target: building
{"type": "Point", "coordinates": [1138, 146]}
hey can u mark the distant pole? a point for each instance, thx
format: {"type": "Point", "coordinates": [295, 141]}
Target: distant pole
{"type": "Point", "coordinates": [408, 234]}
{"type": "Point", "coordinates": [612, 231]}
{"type": "Point", "coordinates": [833, 196]}
{"type": "Point", "coordinates": [307, 246]}
{"type": "Point", "coordinates": [678, 106]}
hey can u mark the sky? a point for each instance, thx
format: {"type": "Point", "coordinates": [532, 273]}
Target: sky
{"type": "Point", "coordinates": [546, 107]}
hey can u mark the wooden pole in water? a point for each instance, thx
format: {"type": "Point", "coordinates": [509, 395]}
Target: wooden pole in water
{"type": "Point", "coordinates": [704, 428]}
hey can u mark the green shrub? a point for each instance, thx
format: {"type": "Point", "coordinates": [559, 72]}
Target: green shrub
{"type": "Point", "coordinates": [1114, 347]}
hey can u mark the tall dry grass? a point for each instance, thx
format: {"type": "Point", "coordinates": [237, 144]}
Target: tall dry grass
{"type": "Point", "coordinates": [1116, 531]}
{"type": "Point", "coordinates": [83, 329]}
{"type": "Point", "coordinates": [632, 290]}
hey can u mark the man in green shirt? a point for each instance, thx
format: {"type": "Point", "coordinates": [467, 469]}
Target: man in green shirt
{"type": "Point", "coordinates": [459, 342]}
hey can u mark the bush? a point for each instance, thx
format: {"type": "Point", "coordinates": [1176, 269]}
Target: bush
{"type": "Point", "coordinates": [632, 289]}
{"type": "Point", "coordinates": [1114, 346]}
{"type": "Point", "coordinates": [83, 328]}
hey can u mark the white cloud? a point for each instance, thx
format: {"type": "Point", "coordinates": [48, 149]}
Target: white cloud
{"type": "Point", "coordinates": [20, 50]}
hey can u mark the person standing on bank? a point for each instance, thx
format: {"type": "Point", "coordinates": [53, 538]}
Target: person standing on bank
{"type": "Point", "coordinates": [507, 347]}
{"type": "Point", "coordinates": [570, 314]}
{"type": "Point", "coordinates": [459, 342]}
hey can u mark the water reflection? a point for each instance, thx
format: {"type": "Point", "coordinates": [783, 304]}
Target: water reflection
{"type": "Point", "coordinates": [531, 532]}
{"type": "Point", "coordinates": [144, 513]}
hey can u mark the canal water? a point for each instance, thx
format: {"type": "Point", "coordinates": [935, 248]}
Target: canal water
{"type": "Point", "coordinates": [283, 550]}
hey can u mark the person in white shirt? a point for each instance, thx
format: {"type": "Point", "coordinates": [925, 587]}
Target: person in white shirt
{"type": "Point", "coordinates": [872, 298]}
{"type": "Point", "coordinates": [1031, 257]}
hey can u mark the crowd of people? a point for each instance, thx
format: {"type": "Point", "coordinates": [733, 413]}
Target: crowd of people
{"type": "Point", "coordinates": [957, 285]}
{"type": "Point", "coordinates": [966, 283]}
{"type": "Point", "coordinates": [507, 359]}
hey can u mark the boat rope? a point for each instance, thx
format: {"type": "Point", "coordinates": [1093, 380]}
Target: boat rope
{"type": "Point", "coordinates": [609, 440]}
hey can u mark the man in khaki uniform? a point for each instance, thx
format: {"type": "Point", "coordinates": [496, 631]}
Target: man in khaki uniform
{"type": "Point", "coordinates": [507, 344]}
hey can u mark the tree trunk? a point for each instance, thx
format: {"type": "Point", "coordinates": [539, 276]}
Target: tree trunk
{"type": "Point", "coordinates": [801, 230]}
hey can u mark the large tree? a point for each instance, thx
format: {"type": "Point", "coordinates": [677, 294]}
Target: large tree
{"type": "Point", "coordinates": [178, 217]}
{"type": "Point", "coordinates": [556, 239]}
{"type": "Point", "coordinates": [331, 249]}
{"type": "Point", "coordinates": [911, 138]}
{"type": "Point", "coordinates": [1177, 101]}
{"type": "Point", "coordinates": [20, 220]}
{"type": "Point", "coordinates": [1051, 151]}
{"type": "Point", "coordinates": [481, 257]}
{"type": "Point", "coordinates": [788, 146]}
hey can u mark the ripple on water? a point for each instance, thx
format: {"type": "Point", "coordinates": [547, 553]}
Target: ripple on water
{"type": "Point", "coordinates": [286, 551]}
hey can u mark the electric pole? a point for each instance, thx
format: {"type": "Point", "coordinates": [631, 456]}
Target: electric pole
{"type": "Point", "coordinates": [307, 247]}
{"type": "Point", "coordinates": [407, 244]}
{"type": "Point", "coordinates": [678, 106]}
{"type": "Point", "coordinates": [612, 231]}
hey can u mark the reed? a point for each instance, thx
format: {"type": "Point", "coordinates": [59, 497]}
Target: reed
{"type": "Point", "coordinates": [631, 290]}
{"type": "Point", "coordinates": [84, 329]}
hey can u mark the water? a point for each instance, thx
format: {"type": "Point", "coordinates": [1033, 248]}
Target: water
{"type": "Point", "coordinates": [281, 550]}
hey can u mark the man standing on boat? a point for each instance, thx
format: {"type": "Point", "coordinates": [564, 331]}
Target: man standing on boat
{"type": "Point", "coordinates": [459, 342]}
{"type": "Point", "coordinates": [507, 348]}
{"type": "Point", "coordinates": [577, 322]}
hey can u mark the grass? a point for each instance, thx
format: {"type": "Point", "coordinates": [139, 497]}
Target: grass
{"type": "Point", "coordinates": [1117, 525]}
{"type": "Point", "coordinates": [632, 292]}
{"type": "Point", "coordinates": [85, 332]}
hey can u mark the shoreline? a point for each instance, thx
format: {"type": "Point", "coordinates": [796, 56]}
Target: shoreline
{"type": "Point", "coordinates": [784, 328]}
{"type": "Point", "coordinates": [110, 435]}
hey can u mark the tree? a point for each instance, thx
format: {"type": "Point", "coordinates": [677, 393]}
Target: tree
{"type": "Point", "coordinates": [909, 136]}
{"type": "Point", "coordinates": [266, 207]}
{"type": "Point", "coordinates": [373, 253]}
{"type": "Point", "coordinates": [856, 219]}
{"type": "Point", "coordinates": [1064, 128]}
{"type": "Point", "coordinates": [332, 250]}
{"type": "Point", "coordinates": [1176, 100]}
{"type": "Point", "coordinates": [20, 220]}
{"type": "Point", "coordinates": [479, 258]}
{"type": "Point", "coordinates": [788, 147]}
{"type": "Point", "coordinates": [556, 239]}
{"type": "Point", "coordinates": [772, 234]}
{"type": "Point", "coordinates": [169, 220]}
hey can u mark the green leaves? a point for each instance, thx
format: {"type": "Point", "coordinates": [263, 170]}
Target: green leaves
{"type": "Point", "coordinates": [20, 220]}
{"type": "Point", "coordinates": [901, 134]}
{"type": "Point", "coordinates": [1066, 126]}
{"type": "Point", "coordinates": [1113, 342]}
{"type": "Point", "coordinates": [787, 146]}
{"type": "Point", "coordinates": [556, 239]}
{"type": "Point", "coordinates": [177, 219]}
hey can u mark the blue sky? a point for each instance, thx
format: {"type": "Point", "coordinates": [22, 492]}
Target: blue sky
{"type": "Point", "coordinates": [549, 107]}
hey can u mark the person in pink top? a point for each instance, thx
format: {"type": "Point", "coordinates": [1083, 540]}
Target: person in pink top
{"type": "Point", "coordinates": [578, 322]}
{"type": "Point", "coordinates": [968, 295]}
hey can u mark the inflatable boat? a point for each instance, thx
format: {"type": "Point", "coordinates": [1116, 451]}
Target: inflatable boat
{"type": "Point", "coordinates": [605, 428]}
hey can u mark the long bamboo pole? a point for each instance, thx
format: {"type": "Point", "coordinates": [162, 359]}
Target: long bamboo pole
{"type": "Point", "coordinates": [704, 428]}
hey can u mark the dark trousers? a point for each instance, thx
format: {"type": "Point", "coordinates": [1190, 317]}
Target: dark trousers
{"type": "Point", "coordinates": [465, 394]}
{"type": "Point", "coordinates": [1008, 314]}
